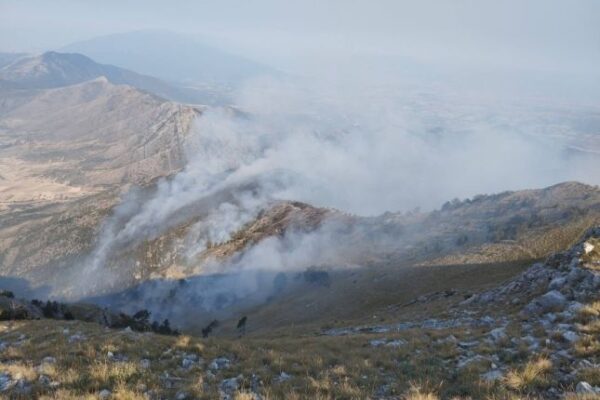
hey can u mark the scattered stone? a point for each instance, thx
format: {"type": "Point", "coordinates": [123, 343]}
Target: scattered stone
{"type": "Point", "coordinates": [448, 339]}
{"type": "Point", "coordinates": [386, 342]}
{"type": "Point", "coordinates": [492, 375]}
{"type": "Point", "coordinates": [551, 301]}
{"type": "Point", "coordinates": [6, 382]}
{"type": "Point", "coordinates": [463, 362]}
{"type": "Point", "coordinates": [377, 342]}
{"type": "Point", "coordinates": [395, 343]}
{"type": "Point", "coordinates": [229, 386]}
{"type": "Point", "coordinates": [220, 363]}
{"type": "Point", "coordinates": [117, 357]}
{"type": "Point", "coordinates": [49, 360]}
{"type": "Point", "coordinates": [498, 334]}
{"type": "Point", "coordinates": [283, 377]}
{"type": "Point", "coordinates": [187, 363]}
{"type": "Point", "coordinates": [570, 336]}
{"type": "Point", "coordinates": [470, 344]}
{"type": "Point", "coordinates": [574, 307]}
{"type": "Point", "coordinates": [78, 337]}
{"type": "Point", "coordinates": [181, 396]}
{"type": "Point", "coordinates": [104, 394]}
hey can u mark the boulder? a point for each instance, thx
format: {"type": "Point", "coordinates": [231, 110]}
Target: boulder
{"type": "Point", "coordinates": [586, 388]}
{"type": "Point", "coordinates": [551, 301]}
{"type": "Point", "coordinates": [219, 363]}
{"type": "Point", "coordinates": [498, 334]}
{"type": "Point", "coordinates": [492, 375]}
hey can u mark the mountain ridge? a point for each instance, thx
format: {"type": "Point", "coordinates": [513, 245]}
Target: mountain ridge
{"type": "Point", "coordinates": [52, 70]}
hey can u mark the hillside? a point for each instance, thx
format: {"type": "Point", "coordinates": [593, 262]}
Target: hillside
{"type": "Point", "coordinates": [371, 263]}
{"type": "Point", "coordinates": [65, 155]}
{"type": "Point", "coordinates": [91, 134]}
{"type": "Point", "coordinates": [533, 337]}
{"type": "Point", "coordinates": [52, 70]}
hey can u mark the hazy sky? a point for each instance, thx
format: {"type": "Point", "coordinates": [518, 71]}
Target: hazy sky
{"type": "Point", "coordinates": [545, 35]}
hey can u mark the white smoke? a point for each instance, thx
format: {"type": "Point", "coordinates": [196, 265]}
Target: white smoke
{"type": "Point", "coordinates": [363, 150]}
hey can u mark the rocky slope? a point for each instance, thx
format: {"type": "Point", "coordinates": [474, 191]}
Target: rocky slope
{"type": "Point", "coordinates": [534, 336]}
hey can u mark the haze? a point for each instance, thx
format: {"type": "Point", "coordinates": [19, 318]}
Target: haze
{"type": "Point", "coordinates": [557, 36]}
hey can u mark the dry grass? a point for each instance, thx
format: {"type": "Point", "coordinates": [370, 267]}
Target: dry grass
{"type": "Point", "coordinates": [589, 375]}
{"type": "Point", "coordinates": [533, 375]}
{"type": "Point", "coordinates": [19, 371]}
{"type": "Point", "coordinates": [587, 346]}
{"type": "Point", "coordinates": [416, 393]}
{"type": "Point", "coordinates": [320, 367]}
{"type": "Point", "coordinates": [589, 312]}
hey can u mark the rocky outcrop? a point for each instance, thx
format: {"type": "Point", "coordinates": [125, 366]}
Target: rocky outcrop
{"type": "Point", "coordinates": [559, 284]}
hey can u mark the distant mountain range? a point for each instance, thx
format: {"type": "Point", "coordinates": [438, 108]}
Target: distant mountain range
{"type": "Point", "coordinates": [52, 70]}
{"type": "Point", "coordinates": [173, 57]}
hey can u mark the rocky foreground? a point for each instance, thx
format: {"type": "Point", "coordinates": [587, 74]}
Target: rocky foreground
{"type": "Point", "coordinates": [534, 337]}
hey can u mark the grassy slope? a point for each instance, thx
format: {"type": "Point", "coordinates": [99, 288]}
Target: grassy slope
{"type": "Point", "coordinates": [320, 367]}
{"type": "Point", "coordinates": [371, 295]}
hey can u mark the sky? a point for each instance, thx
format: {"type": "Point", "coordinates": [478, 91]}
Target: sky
{"type": "Point", "coordinates": [548, 35]}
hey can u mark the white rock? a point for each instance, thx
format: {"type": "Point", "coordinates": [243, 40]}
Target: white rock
{"type": "Point", "coordinates": [395, 343]}
{"type": "Point", "coordinates": [498, 334]}
{"type": "Point", "coordinates": [586, 388]}
{"type": "Point", "coordinates": [283, 377]}
{"type": "Point", "coordinates": [570, 336]}
{"type": "Point", "coordinates": [230, 385]}
{"type": "Point", "coordinates": [493, 375]}
{"type": "Point", "coordinates": [104, 394]}
{"type": "Point", "coordinates": [187, 363]}
{"type": "Point", "coordinates": [6, 382]}
{"type": "Point", "coordinates": [588, 248]}
{"type": "Point", "coordinates": [219, 363]}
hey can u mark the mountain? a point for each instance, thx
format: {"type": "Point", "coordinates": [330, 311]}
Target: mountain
{"type": "Point", "coordinates": [92, 133]}
{"type": "Point", "coordinates": [171, 56]}
{"type": "Point", "coordinates": [52, 70]}
{"type": "Point", "coordinates": [112, 241]}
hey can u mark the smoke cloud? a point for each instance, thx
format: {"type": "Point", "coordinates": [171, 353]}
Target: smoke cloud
{"type": "Point", "coordinates": [363, 150]}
